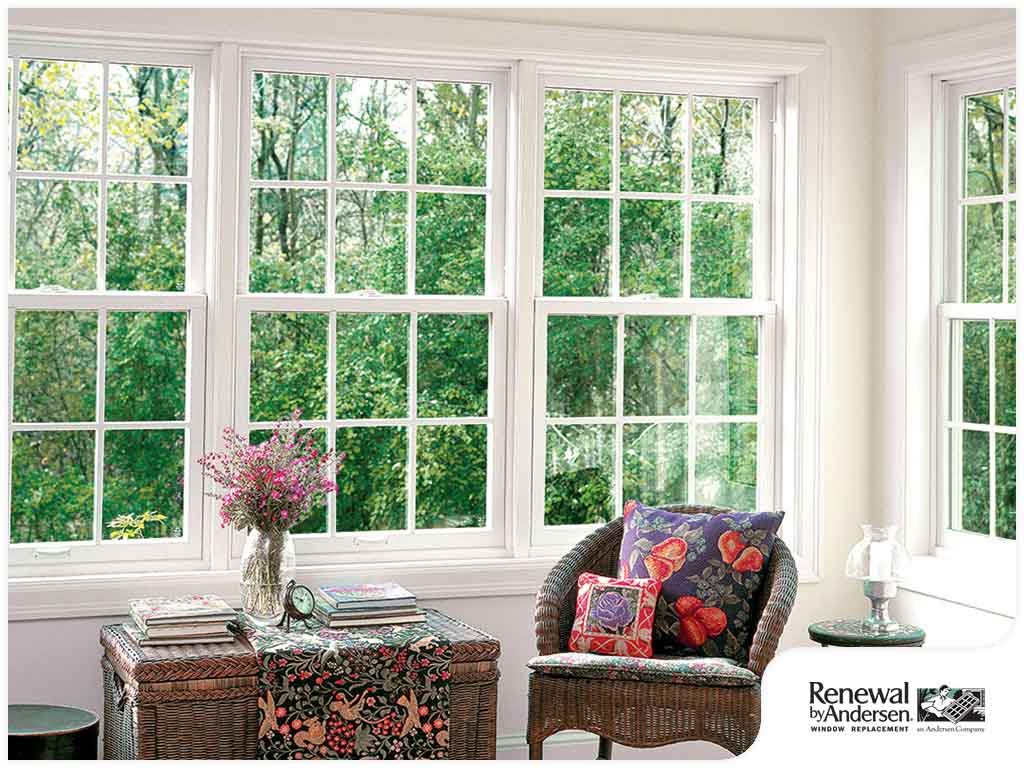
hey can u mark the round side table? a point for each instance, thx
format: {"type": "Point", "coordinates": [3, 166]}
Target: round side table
{"type": "Point", "coordinates": [851, 633]}
{"type": "Point", "coordinates": [51, 732]}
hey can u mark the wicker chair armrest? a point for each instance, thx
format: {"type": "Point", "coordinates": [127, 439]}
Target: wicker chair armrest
{"type": "Point", "coordinates": [556, 600]}
{"type": "Point", "coordinates": [779, 594]}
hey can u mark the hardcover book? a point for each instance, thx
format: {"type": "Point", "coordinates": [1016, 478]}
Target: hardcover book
{"type": "Point", "coordinates": [140, 638]}
{"type": "Point", "coordinates": [190, 609]}
{"type": "Point", "coordinates": [362, 596]}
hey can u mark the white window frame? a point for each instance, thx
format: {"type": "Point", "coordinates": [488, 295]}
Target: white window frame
{"type": "Point", "coordinates": [99, 554]}
{"type": "Point", "coordinates": [554, 538]}
{"type": "Point", "coordinates": [951, 309]}
{"type": "Point", "coordinates": [800, 73]}
{"type": "Point", "coordinates": [908, 462]}
{"type": "Point", "coordinates": [374, 546]}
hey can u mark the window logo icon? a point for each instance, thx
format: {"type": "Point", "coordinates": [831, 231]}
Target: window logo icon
{"type": "Point", "coordinates": [953, 705]}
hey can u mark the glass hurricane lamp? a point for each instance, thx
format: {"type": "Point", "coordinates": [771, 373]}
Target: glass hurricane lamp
{"type": "Point", "coordinates": [881, 561]}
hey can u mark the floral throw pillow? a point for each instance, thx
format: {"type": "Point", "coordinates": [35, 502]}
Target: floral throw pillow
{"type": "Point", "coordinates": [711, 569]}
{"type": "Point", "coordinates": [614, 616]}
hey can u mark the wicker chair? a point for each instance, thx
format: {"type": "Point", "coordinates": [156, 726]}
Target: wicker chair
{"type": "Point", "coordinates": [641, 713]}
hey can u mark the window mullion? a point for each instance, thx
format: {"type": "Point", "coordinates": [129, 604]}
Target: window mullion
{"type": "Point", "coordinates": [410, 438]}
{"type": "Point", "coordinates": [992, 422]}
{"type": "Point", "coordinates": [12, 160]}
{"type": "Point", "coordinates": [620, 448]}
{"type": "Point", "coordinates": [410, 203]}
{"type": "Point", "coordinates": [101, 375]}
{"type": "Point", "coordinates": [101, 225]}
{"type": "Point", "coordinates": [691, 398]}
{"type": "Point", "coordinates": [687, 206]}
{"type": "Point", "coordinates": [332, 410]}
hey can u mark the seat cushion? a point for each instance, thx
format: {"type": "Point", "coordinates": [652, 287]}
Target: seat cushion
{"type": "Point", "coordinates": [711, 569]}
{"type": "Point", "coordinates": [660, 669]}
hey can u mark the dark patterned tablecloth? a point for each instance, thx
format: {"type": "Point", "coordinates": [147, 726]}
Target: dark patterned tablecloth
{"type": "Point", "coordinates": [368, 692]}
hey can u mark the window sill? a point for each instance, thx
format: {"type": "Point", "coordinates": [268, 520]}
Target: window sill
{"type": "Point", "coordinates": [61, 597]}
{"type": "Point", "coordinates": [957, 578]}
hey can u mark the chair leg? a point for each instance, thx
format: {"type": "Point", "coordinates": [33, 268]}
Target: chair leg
{"type": "Point", "coordinates": [604, 748]}
{"type": "Point", "coordinates": [537, 750]}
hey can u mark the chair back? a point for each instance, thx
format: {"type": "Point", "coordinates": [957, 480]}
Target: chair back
{"type": "Point", "coordinates": [599, 553]}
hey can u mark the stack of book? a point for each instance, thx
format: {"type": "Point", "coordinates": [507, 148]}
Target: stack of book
{"type": "Point", "coordinates": [361, 605]}
{"type": "Point", "coordinates": [181, 620]}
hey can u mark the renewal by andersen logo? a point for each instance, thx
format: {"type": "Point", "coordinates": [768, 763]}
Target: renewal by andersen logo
{"type": "Point", "coordinates": [865, 709]}
{"type": "Point", "coordinates": [891, 710]}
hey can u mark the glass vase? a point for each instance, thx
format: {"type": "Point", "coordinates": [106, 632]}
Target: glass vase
{"type": "Point", "coordinates": [268, 564]}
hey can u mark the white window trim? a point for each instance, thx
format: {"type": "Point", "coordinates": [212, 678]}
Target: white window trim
{"type": "Point", "coordinates": [547, 539]}
{"type": "Point", "coordinates": [915, 232]}
{"type": "Point", "coordinates": [374, 546]}
{"type": "Point", "coordinates": [97, 554]}
{"type": "Point", "coordinates": [800, 72]}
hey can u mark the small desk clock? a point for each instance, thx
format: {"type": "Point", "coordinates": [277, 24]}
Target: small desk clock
{"type": "Point", "coordinates": [298, 605]}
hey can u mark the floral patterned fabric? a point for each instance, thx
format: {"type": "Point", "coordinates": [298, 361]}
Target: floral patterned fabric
{"type": "Point", "coordinates": [659, 669]}
{"type": "Point", "coordinates": [710, 567]}
{"type": "Point", "coordinates": [614, 616]}
{"type": "Point", "coordinates": [371, 692]}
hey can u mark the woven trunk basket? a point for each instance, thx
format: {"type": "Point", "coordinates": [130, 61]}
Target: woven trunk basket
{"type": "Point", "coordinates": [199, 701]}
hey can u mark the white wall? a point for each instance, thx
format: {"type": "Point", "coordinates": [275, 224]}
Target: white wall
{"type": "Point", "coordinates": [50, 659]}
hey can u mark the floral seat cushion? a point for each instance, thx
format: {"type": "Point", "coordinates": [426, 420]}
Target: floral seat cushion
{"type": "Point", "coordinates": [688, 670]}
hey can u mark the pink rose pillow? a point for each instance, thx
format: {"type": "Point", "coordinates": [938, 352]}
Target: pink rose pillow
{"type": "Point", "coordinates": [614, 616]}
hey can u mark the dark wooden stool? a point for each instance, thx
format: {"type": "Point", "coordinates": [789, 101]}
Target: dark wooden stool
{"type": "Point", "coordinates": [51, 732]}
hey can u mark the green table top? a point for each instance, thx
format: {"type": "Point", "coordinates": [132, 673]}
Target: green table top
{"type": "Point", "coordinates": [851, 632]}
{"type": "Point", "coordinates": [47, 719]}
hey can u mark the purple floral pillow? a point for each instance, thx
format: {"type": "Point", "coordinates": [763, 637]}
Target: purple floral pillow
{"type": "Point", "coordinates": [710, 567]}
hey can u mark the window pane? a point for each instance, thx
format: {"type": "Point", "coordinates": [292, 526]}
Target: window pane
{"type": "Point", "coordinates": [371, 483]}
{"type": "Point", "coordinates": [451, 232]}
{"type": "Point", "coordinates": [727, 365]}
{"type": "Point", "coordinates": [975, 488]}
{"type": "Point", "coordinates": [148, 120]}
{"type": "Point", "coordinates": [451, 476]}
{"type": "Point", "coordinates": [581, 366]}
{"type": "Point", "coordinates": [287, 240]}
{"type": "Point", "coordinates": [1006, 372]}
{"type": "Point", "coordinates": [289, 126]}
{"type": "Point", "coordinates": [652, 141]}
{"type": "Point", "coordinates": [51, 486]}
{"type": "Point", "coordinates": [59, 115]}
{"type": "Point", "coordinates": [723, 146]}
{"type": "Point", "coordinates": [721, 252]}
{"type": "Point", "coordinates": [577, 139]}
{"type": "Point", "coordinates": [650, 247]}
{"type": "Point", "coordinates": [451, 134]}
{"type": "Point", "coordinates": [373, 129]}
{"type": "Point", "coordinates": [975, 371]}
{"type": "Point", "coordinates": [726, 467]}
{"type": "Point", "coordinates": [54, 366]}
{"type": "Point", "coordinates": [654, 466]}
{"type": "Point", "coordinates": [577, 247]}
{"type": "Point", "coordinates": [140, 344]}
{"type": "Point", "coordinates": [656, 366]}
{"type": "Point", "coordinates": [983, 252]}
{"type": "Point", "coordinates": [1012, 266]}
{"type": "Point", "coordinates": [451, 366]}
{"type": "Point", "coordinates": [288, 367]}
{"type": "Point", "coordinates": [56, 234]}
{"type": "Point", "coordinates": [983, 144]}
{"type": "Point", "coordinates": [579, 474]}
{"type": "Point", "coordinates": [315, 520]}
{"type": "Point", "coordinates": [1006, 486]}
{"type": "Point", "coordinates": [143, 471]}
{"type": "Point", "coordinates": [373, 366]}
{"type": "Point", "coordinates": [1011, 120]}
{"type": "Point", "coordinates": [371, 241]}
{"type": "Point", "coordinates": [146, 227]}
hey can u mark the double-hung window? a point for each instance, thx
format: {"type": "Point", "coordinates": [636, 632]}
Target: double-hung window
{"type": "Point", "coordinates": [654, 333]}
{"type": "Point", "coordinates": [977, 425]}
{"type": "Point", "coordinates": [107, 311]}
{"type": "Point", "coordinates": [371, 293]}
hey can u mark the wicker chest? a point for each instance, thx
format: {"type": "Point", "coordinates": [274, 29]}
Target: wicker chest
{"type": "Point", "coordinates": [199, 701]}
